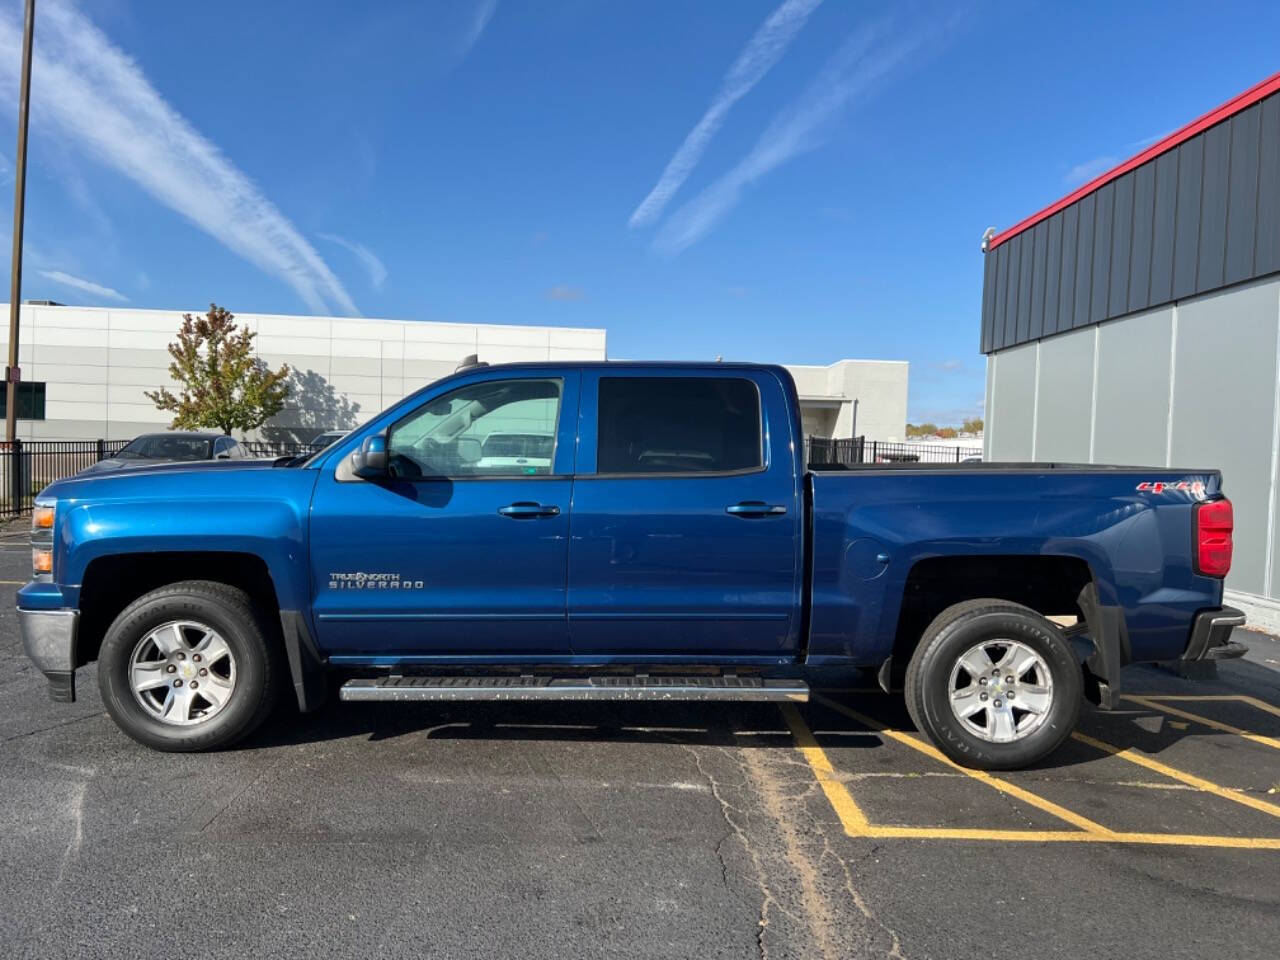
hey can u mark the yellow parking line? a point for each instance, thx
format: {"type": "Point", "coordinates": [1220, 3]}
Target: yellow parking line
{"type": "Point", "coordinates": [1072, 836]}
{"type": "Point", "coordinates": [855, 822]}
{"type": "Point", "coordinates": [850, 814]}
{"type": "Point", "coordinates": [1154, 704]}
{"type": "Point", "coordinates": [1219, 698]}
{"type": "Point", "coordinates": [1208, 786]}
{"type": "Point", "coordinates": [1035, 800]}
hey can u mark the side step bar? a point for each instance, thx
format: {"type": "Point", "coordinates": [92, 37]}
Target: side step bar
{"type": "Point", "coordinates": [576, 688]}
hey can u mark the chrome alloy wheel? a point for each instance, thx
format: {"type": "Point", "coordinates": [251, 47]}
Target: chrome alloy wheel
{"type": "Point", "coordinates": [182, 673]}
{"type": "Point", "coordinates": [1000, 690]}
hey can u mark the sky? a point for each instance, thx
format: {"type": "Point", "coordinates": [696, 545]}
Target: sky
{"type": "Point", "coordinates": [792, 181]}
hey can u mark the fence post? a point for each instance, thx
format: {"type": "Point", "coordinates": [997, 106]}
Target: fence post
{"type": "Point", "coordinates": [957, 454]}
{"type": "Point", "coordinates": [875, 447]}
{"type": "Point", "coordinates": [102, 450]}
{"type": "Point", "coordinates": [15, 476]}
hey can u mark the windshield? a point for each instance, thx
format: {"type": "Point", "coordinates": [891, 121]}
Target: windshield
{"type": "Point", "coordinates": [160, 446]}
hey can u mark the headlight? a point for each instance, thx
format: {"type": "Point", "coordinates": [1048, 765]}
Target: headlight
{"type": "Point", "coordinates": [42, 540]}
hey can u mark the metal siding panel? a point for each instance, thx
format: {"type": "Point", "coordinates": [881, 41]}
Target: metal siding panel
{"type": "Point", "coordinates": [1065, 388]}
{"type": "Point", "coordinates": [1067, 281]}
{"type": "Point", "coordinates": [1144, 193]}
{"type": "Point", "coordinates": [1024, 286]}
{"type": "Point", "coordinates": [988, 298]}
{"type": "Point", "coordinates": [1084, 260]}
{"type": "Point", "coordinates": [1242, 202]}
{"type": "Point", "coordinates": [1225, 374]}
{"type": "Point", "coordinates": [1121, 244]}
{"type": "Point", "coordinates": [1012, 407]}
{"type": "Point", "coordinates": [1164, 229]}
{"type": "Point", "coordinates": [1002, 280]}
{"type": "Point", "coordinates": [1133, 389]}
{"type": "Point", "coordinates": [1101, 285]}
{"type": "Point", "coordinates": [1213, 207]}
{"type": "Point", "coordinates": [1053, 273]}
{"type": "Point", "coordinates": [1011, 292]}
{"type": "Point", "coordinates": [1035, 325]}
{"type": "Point", "coordinates": [1267, 255]}
{"type": "Point", "coordinates": [1186, 247]}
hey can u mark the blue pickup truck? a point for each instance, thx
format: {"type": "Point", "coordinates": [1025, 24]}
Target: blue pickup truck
{"type": "Point", "coordinates": [620, 531]}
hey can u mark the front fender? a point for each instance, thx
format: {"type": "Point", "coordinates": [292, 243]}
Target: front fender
{"type": "Point", "coordinates": [271, 529]}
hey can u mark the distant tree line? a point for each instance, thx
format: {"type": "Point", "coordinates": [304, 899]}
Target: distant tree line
{"type": "Point", "coordinates": [972, 425]}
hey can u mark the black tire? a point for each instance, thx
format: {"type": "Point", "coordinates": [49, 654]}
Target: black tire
{"type": "Point", "coordinates": [253, 645]}
{"type": "Point", "coordinates": [957, 630]}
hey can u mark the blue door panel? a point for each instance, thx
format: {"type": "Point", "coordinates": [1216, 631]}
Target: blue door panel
{"type": "Point", "coordinates": [658, 567]}
{"type": "Point", "coordinates": [471, 581]}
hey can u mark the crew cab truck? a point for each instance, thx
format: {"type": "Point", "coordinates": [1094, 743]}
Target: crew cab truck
{"type": "Point", "coordinates": [667, 523]}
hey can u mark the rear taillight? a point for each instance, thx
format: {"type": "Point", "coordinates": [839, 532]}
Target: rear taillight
{"type": "Point", "coordinates": [1214, 523]}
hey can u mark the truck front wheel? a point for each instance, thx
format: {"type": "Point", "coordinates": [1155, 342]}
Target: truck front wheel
{"type": "Point", "coordinates": [994, 685]}
{"type": "Point", "coordinates": [188, 667]}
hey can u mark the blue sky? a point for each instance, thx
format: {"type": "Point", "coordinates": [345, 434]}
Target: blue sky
{"type": "Point", "coordinates": [793, 181]}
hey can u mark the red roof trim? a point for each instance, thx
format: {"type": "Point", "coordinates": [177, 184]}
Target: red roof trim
{"type": "Point", "coordinates": [1215, 116]}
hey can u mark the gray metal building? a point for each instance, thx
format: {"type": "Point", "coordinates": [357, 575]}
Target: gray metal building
{"type": "Point", "coordinates": [1137, 321]}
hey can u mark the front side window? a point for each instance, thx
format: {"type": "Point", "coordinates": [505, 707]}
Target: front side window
{"type": "Point", "coordinates": [678, 425]}
{"type": "Point", "coordinates": [497, 428]}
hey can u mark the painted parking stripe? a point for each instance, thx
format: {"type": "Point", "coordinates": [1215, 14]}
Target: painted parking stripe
{"type": "Point", "coordinates": [856, 825]}
{"type": "Point", "coordinates": [1153, 703]}
{"type": "Point", "coordinates": [1208, 786]}
{"type": "Point", "coordinates": [850, 814]}
{"type": "Point", "coordinates": [1004, 786]}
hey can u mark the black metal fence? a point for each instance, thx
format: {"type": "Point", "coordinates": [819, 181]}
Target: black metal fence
{"type": "Point", "coordinates": [826, 451]}
{"type": "Point", "coordinates": [28, 466]}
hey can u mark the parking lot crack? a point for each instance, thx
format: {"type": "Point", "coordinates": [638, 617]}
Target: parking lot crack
{"type": "Point", "coordinates": [730, 814]}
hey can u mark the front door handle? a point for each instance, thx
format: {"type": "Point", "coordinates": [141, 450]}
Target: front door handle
{"type": "Point", "coordinates": [756, 508]}
{"type": "Point", "coordinates": [526, 510]}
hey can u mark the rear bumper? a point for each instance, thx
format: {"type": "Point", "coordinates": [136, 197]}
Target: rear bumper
{"type": "Point", "coordinates": [49, 637]}
{"type": "Point", "coordinates": [1211, 635]}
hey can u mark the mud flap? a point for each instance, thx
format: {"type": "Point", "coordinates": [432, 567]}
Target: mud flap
{"type": "Point", "coordinates": [306, 665]}
{"type": "Point", "coordinates": [1111, 652]}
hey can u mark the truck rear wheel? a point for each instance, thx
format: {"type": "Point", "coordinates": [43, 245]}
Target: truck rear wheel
{"type": "Point", "coordinates": [994, 685]}
{"type": "Point", "coordinates": [188, 667]}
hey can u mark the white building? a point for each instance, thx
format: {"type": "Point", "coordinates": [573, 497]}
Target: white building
{"type": "Point", "coordinates": [85, 370]}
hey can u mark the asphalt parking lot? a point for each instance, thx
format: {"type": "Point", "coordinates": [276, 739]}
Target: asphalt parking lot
{"type": "Point", "coordinates": [496, 830]}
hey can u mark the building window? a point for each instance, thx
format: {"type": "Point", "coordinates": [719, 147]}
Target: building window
{"type": "Point", "coordinates": [30, 401]}
{"type": "Point", "coordinates": [678, 425]}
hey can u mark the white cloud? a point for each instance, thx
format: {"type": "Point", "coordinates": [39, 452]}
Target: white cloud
{"type": "Point", "coordinates": [762, 51]}
{"type": "Point", "coordinates": [1084, 172]}
{"type": "Point", "coordinates": [86, 286]}
{"type": "Point", "coordinates": [90, 93]}
{"type": "Point", "coordinates": [862, 61]}
{"type": "Point", "coordinates": [485, 10]}
{"type": "Point", "coordinates": [376, 268]}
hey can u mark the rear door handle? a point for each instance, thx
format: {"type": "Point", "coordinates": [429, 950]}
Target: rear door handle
{"type": "Point", "coordinates": [526, 510]}
{"type": "Point", "coordinates": [756, 508]}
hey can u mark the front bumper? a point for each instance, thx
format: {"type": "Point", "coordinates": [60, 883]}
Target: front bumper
{"type": "Point", "coordinates": [49, 637]}
{"type": "Point", "coordinates": [1211, 635]}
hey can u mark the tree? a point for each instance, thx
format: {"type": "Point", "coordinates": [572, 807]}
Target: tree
{"type": "Point", "coordinates": [973, 425]}
{"type": "Point", "coordinates": [224, 384]}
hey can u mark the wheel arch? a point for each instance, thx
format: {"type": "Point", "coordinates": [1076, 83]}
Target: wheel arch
{"type": "Point", "coordinates": [113, 581]}
{"type": "Point", "coordinates": [1053, 585]}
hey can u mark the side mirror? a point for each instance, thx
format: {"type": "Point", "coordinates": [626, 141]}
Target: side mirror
{"type": "Point", "coordinates": [370, 461]}
{"type": "Point", "coordinates": [469, 450]}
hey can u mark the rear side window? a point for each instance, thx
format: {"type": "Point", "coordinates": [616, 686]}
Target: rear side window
{"type": "Point", "coordinates": [678, 425]}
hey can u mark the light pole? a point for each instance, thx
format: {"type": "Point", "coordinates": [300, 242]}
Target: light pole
{"type": "Point", "coordinates": [12, 374]}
